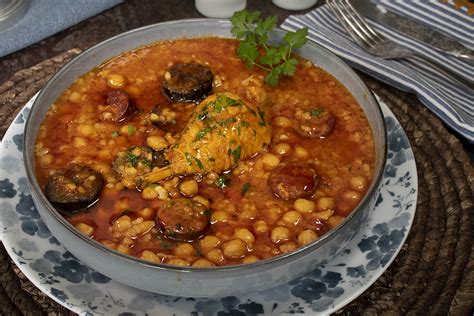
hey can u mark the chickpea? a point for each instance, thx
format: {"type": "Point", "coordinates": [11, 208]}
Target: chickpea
{"type": "Point", "coordinates": [150, 256]}
{"type": "Point", "coordinates": [133, 91]}
{"type": "Point", "coordinates": [270, 161]}
{"type": "Point", "coordinates": [215, 256]}
{"type": "Point", "coordinates": [307, 236]}
{"type": "Point", "coordinates": [301, 153]}
{"type": "Point", "coordinates": [282, 121]}
{"type": "Point", "coordinates": [334, 220]}
{"type": "Point", "coordinates": [116, 81]}
{"type": "Point", "coordinates": [292, 217]}
{"type": "Point", "coordinates": [202, 200]}
{"type": "Point", "coordinates": [46, 159]}
{"type": "Point", "coordinates": [304, 205]}
{"type": "Point", "coordinates": [85, 229]}
{"type": "Point", "coordinates": [184, 251]}
{"type": "Point", "coordinates": [260, 227]}
{"type": "Point", "coordinates": [234, 249]}
{"type": "Point", "coordinates": [352, 196]}
{"type": "Point", "coordinates": [162, 192]}
{"type": "Point", "coordinates": [123, 249]}
{"type": "Point", "coordinates": [324, 215]}
{"type": "Point", "coordinates": [279, 233]}
{"type": "Point", "coordinates": [156, 142]}
{"type": "Point", "coordinates": [79, 142]}
{"type": "Point", "coordinates": [108, 243]}
{"type": "Point", "coordinates": [189, 188]}
{"type": "Point", "coordinates": [86, 130]}
{"type": "Point", "coordinates": [178, 262]}
{"type": "Point", "coordinates": [325, 203]}
{"type": "Point", "coordinates": [358, 183]}
{"type": "Point", "coordinates": [245, 235]}
{"type": "Point", "coordinates": [202, 263]}
{"type": "Point", "coordinates": [209, 242]}
{"type": "Point", "coordinates": [287, 247]}
{"type": "Point", "coordinates": [149, 193]}
{"type": "Point", "coordinates": [75, 96]}
{"type": "Point", "coordinates": [250, 259]}
{"type": "Point", "coordinates": [146, 212]}
{"type": "Point", "coordinates": [122, 223]}
{"type": "Point", "coordinates": [273, 214]}
{"type": "Point", "coordinates": [219, 216]}
{"type": "Point", "coordinates": [282, 148]}
{"type": "Point", "coordinates": [248, 213]}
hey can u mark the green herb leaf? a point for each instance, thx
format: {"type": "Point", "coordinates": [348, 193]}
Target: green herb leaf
{"type": "Point", "coordinates": [253, 32]}
{"type": "Point", "coordinates": [316, 112]}
{"type": "Point", "coordinates": [245, 188]}
{"type": "Point", "coordinates": [296, 39]}
{"type": "Point", "coordinates": [199, 163]}
{"type": "Point", "coordinates": [208, 212]}
{"type": "Point", "coordinates": [133, 159]}
{"type": "Point", "coordinates": [223, 182]}
{"type": "Point", "coordinates": [289, 67]}
{"type": "Point", "coordinates": [188, 158]}
{"type": "Point", "coordinates": [130, 130]}
{"type": "Point", "coordinates": [272, 78]}
{"type": "Point", "coordinates": [248, 52]}
{"type": "Point", "coordinates": [202, 133]}
{"type": "Point", "coordinates": [236, 154]}
{"type": "Point", "coordinates": [262, 118]}
{"type": "Point", "coordinates": [115, 134]}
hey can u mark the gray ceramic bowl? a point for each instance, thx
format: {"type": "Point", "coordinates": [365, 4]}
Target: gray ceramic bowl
{"type": "Point", "coordinates": [180, 281]}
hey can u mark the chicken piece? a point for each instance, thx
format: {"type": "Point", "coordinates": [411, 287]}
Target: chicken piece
{"type": "Point", "coordinates": [222, 131]}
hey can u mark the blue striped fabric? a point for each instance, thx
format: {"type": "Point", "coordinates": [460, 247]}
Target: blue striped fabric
{"type": "Point", "coordinates": [453, 104]}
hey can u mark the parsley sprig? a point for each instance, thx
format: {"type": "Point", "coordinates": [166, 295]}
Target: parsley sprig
{"type": "Point", "coordinates": [253, 32]}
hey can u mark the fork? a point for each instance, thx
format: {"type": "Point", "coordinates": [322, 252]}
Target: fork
{"type": "Point", "coordinates": [378, 45]}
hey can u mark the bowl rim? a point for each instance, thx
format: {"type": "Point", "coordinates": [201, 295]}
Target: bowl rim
{"type": "Point", "coordinates": [299, 252]}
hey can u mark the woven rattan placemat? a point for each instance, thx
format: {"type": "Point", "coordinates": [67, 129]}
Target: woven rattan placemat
{"type": "Point", "coordinates": [434, 272]}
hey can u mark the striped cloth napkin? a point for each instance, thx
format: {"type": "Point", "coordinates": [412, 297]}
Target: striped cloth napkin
{"type": "Point", "coordinates": [452, 103]}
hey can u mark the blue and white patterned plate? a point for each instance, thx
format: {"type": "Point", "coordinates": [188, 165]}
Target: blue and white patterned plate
{"type": "Point", "coordinates": [71, 283]}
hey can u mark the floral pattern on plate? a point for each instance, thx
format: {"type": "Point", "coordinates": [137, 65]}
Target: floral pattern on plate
{"type": "Point", "coordinates": [329, 287]}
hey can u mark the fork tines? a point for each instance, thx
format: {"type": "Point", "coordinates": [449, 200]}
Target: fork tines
{"type": "Point", "coordinates": [354, 23]}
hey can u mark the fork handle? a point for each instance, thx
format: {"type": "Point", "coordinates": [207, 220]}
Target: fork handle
{"type": "Point", "coordinates": [468, 85]}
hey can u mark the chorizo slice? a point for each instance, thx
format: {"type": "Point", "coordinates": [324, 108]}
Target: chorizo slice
{"type": "Point", "coordinates": [316, 123]}
{"type": "Point", "coordinates": [119, 106]}
{"type": "Point", "coordinates": [187, 82]}
{"type": "Point", "coordinates": [291, 181]}
{"type": "Point", "coordinates": [183, 218]}
{"type": "Point", "coordinates": [74, 189]}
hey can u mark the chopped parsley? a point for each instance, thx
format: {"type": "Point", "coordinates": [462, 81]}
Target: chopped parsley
{"type": "Point", "coordinates": [199, 163]}
{"type": "Point", "coordinates": [208, 212]}
{"type": "Point", "coordinates": [244, 124]}
{"type": "Point", "coordinates": [223, 182]}
{"type": "Point", "coordinates": [188, 158]}
{"type": "Point", "coordinates": [262, 118]}
{"type": "Point", "coordinates": [316, 112]}
{"type": "Point", "coordinates": [146, 162]}
{"type": "Point", "coordinates": [130, 130]}
{"type": "Point", "coordinates": [227, 121]}
{"type": "Point", "coordinates": [245, 188]}
{"type": "Point", "coordinates": [202, 133]}
{"type": "Point", "coordinates": [133, 159]}
{"type": "Point", "coordinates": [222, 102]}
{"type": "Point", "coordinates": [236, 153]}
{"type": "Point", "coordinates": [202, 116]}
{"type": "Point", "coordinates": [115, 134]}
